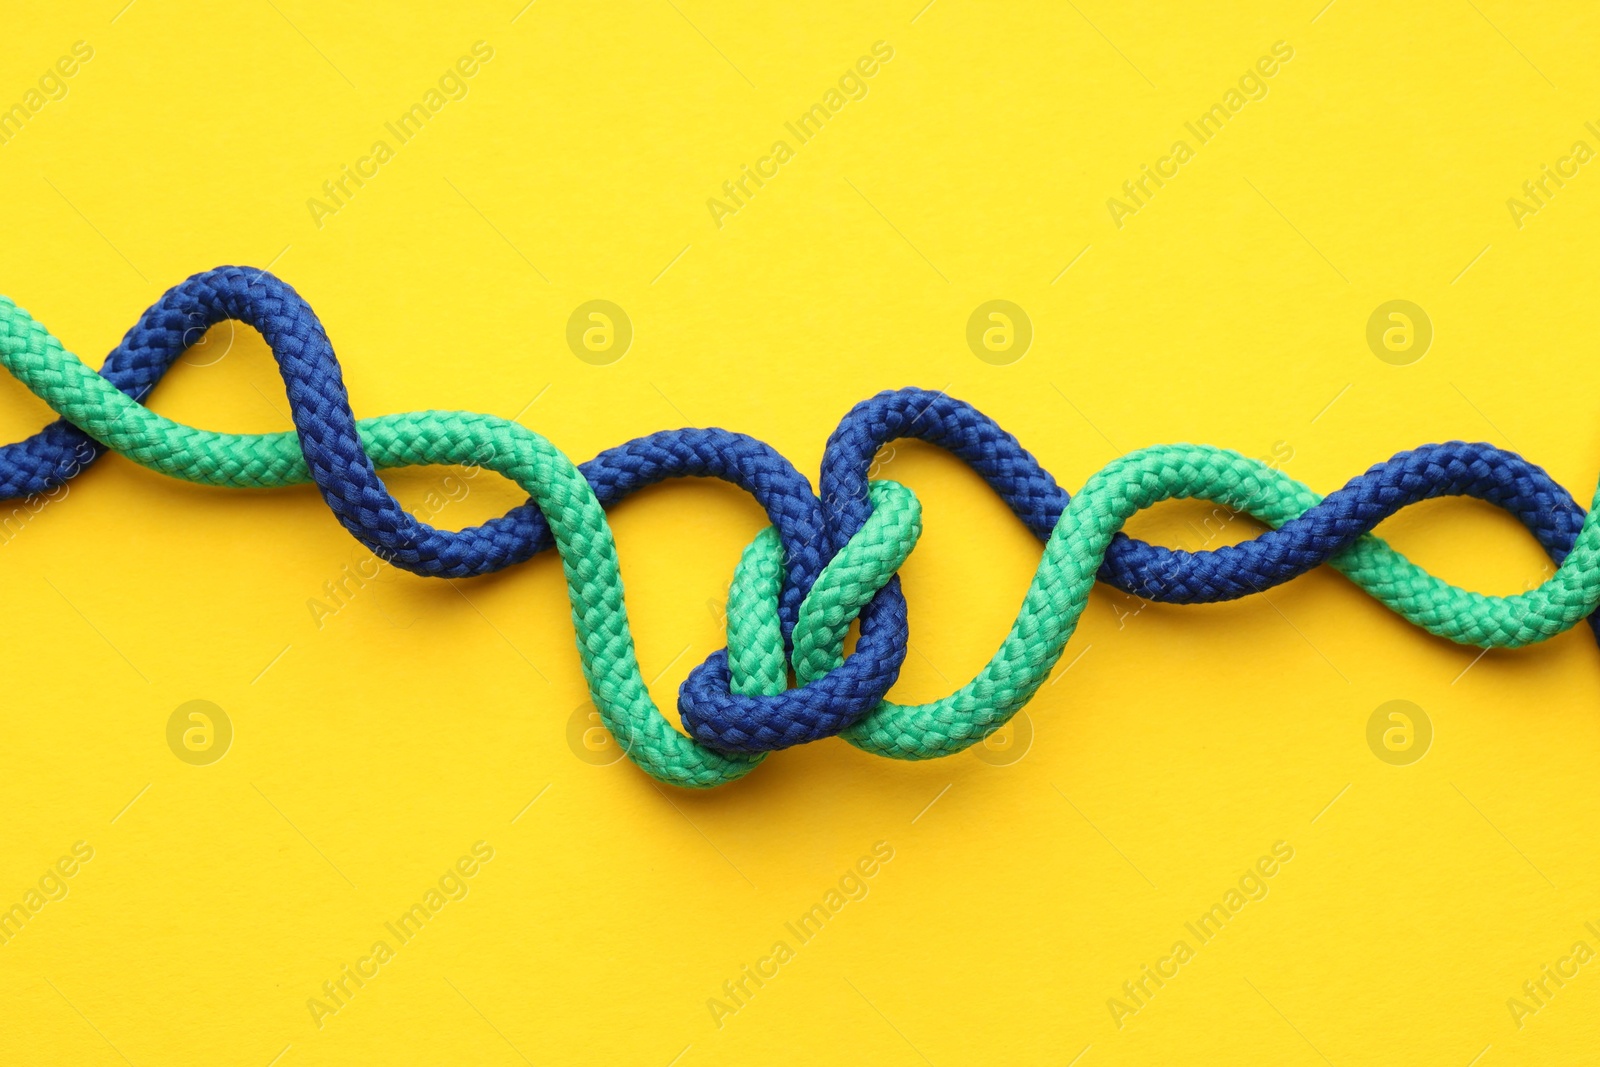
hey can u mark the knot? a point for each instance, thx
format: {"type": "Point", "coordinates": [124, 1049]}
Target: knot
{"type": "Point", "coordinates": [824, 561]}
{"type": "Point", "coordinates": [728, 702]}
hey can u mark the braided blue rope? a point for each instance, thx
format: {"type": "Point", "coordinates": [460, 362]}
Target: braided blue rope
{"type": "Point", "coordinates": [812, 531]}
{"type": "Point", "coordinates": [740, 723]}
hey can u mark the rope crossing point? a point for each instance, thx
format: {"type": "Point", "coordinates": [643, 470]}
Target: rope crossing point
{"type": "Point", "coordinates": [826, 559]}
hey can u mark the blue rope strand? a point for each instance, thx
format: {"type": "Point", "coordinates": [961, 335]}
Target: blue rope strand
{"type": "Point", "coordinates": [812, 530]}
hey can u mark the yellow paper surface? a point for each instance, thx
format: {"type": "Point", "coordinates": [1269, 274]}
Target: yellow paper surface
{"type": "Point", "coordinates": [384, 727]}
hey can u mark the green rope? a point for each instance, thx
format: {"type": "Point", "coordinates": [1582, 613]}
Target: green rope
{"type": "Point", "coordinates": [1051, 607]}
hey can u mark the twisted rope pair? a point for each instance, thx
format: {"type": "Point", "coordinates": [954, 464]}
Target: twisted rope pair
{"type": "Point", "coordinates": [824, 562]}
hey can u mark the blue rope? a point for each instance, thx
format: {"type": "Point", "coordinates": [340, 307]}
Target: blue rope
{"type": "Point", "coordinates": [812, 530]}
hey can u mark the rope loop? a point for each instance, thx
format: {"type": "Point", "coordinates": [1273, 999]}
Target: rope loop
{"type": "Point", "coordinates": [756, 667]}
{"type": "Point", "coordinates": [821, 564]}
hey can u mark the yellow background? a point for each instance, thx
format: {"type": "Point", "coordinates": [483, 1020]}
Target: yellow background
{"type": "Point", "coordinates": [373, 752]}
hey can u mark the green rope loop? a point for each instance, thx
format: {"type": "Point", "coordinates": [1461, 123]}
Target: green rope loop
{"type": "Point", "coordinates": [1050, 610]}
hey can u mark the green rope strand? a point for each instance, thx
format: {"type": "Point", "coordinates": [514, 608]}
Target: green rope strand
{"type": "Point", "coordinates": [1051, 607]}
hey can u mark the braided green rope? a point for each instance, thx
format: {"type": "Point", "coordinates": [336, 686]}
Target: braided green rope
{"type": "Point", "coordinates": [577, 521]}
{"type": "Point", "coordinates": [1050, 611]}
{"type": "Point", "coordinates": [1060, 589]}
{"type": "Point", "coordinates": [870, 558]}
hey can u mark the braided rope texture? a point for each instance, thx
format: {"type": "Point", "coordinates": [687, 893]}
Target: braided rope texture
{"type": "Point", "coordinates": [826, 561]}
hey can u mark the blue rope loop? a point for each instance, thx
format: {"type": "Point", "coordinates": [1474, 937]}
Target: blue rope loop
{"type": "Point", "coordinates": [812, 530]}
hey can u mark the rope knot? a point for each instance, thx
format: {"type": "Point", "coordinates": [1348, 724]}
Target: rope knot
{"type": "Point", "coordinates": [726, 701]}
